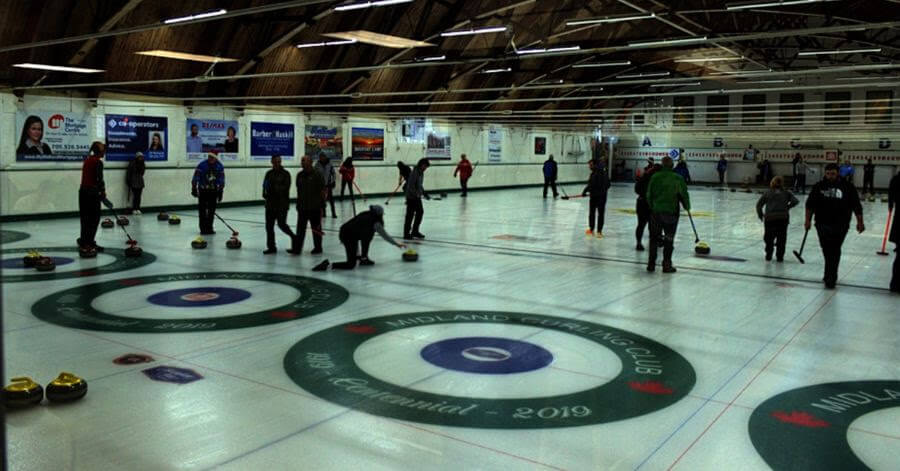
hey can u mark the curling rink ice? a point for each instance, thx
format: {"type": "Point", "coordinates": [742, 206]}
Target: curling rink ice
{"type": "Point", "coordinates": [514, 342]}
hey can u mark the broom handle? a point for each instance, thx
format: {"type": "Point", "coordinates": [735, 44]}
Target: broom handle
{"type": "Point", "coordinates": [803, 244]}
{"type": "Point", "coordinates": [887, 229]}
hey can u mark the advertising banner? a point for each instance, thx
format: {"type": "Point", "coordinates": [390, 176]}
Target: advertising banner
{"type": "Point", "coordinates": [437, 145]}
{"type": "Point", "coordinates": [127, 135]}
{"type": "Point", "coordinates": [205, 135]}
{"type": "Point", "coordinates": [268, 139]}
{"type": "Point", "coordinates": [368, 143]}
{"type": "Point", "coordinates": [51, 136]}
{"type": "Point", "coordinates": [495, 144]}
{"type": "Point", "coordinates": [321, 139]}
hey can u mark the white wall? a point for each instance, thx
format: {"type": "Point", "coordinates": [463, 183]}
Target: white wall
{"type": "Point", "coordinates": [50, 187]}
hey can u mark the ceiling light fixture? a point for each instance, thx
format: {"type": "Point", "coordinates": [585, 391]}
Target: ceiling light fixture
{"type": "Point", "coordinates": [379, 3]}
{"type": "Point", "coordinates": [378, 39]}
{"type": "Point", "coordinates": [711, 59]}
{"type": "Point", "coordinates": [866, 78]}
{"type": "Point", "coordinates": [601, 64]}
{"type": "Point", "coordinates": [666, 42]}
{"type": "Point", "coordinates": [496, 71]}
{"type": "Point", "coordinates": [645, 74]}
{"type": "Point", "coordinates": [744, 6]}
{"type": "Point", "coordinates": [471, 31]}
{"type": "Point", "coordinates": [676, 84]}
{"type": "Point", "coordinates": [609, 19]}
{"type": "Point", "coordinates": [185, 56]}
{"type": "Point", "coordinates": [432, 59]}
{"type": "Point", "coordinates": [58, 68]}
{"type": "Point", "coordinates": [838, 51]}
{"type": "Point", "coordinates": [326, 43]}
{"type": "Point", "coordinates": [547, 50]}
{"type": "Point", "coordinates": [770, 81]}
{"type": "Point", "coordinates": [198, 16]}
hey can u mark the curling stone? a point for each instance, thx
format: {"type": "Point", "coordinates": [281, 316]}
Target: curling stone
{"type": "Point", "coordinates": [66, 387]}
{"type": "Point", "coordinates": [87, 252]}
{"type": "Point", "coordinates": [198, 243]}
{"type": "Point", "coordinates": [162, 217]}
{"type": "Point", "coordinates": [233, 243]}
{"type": "Point", "coordinates": [45, 264]}
{"type": "Point", "coordinates": [702, 248]}
{"type": "Point", "coordinates": [122, 221]}
{"type": "Point", "coordinates": [22, 392]}
{"type": "Point", "coordinates": [174, 220]}
{"type": "Point", "coordinates": [871, 199]}
{"type": "Point", "coordinates": [31, 258]}
{"type": "Point", "coordinates": [107, 223]}
{"type": "Point", "coordinates": [410, 256]}
{"type": "Point", "coordinates": [134, 251]}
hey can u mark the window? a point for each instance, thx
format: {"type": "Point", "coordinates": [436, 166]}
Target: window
{"type": "Point", "coordinates": [878, 106]}
{"type": "Point", "coordinates": [683, 114]}
{"type": "Point", "coordinates": [754, 110]}
{"type": "Point", "coordinates": [791, 110]}
{"type": "Point", "coordinates": [835, 111]}
{"type": "Point", "coordinates": [717, 110]}
{"type": "Point", "coordinates": [637, 120]}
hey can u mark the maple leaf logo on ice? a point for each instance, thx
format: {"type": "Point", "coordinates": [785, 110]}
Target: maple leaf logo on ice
{"type": "Point", "coordinates": [360, 329]}
{"type": "Point", "coordinates": [650, 387]}
{"type": "Point", "coordinates": [803, 419]}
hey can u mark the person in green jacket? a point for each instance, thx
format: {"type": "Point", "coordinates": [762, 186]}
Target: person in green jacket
{"type": "Point", "coordinates": [665, 192]}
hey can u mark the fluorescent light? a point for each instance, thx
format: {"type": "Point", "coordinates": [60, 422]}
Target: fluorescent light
{"type": "Point", "coordinates": [326, 43]}
{"type": "Point", "coordinates": [711, 59]}
{"type": "Point", "coordinates": [601, 64]}
{"type": "Point", "coordinates": [742, 72]}
{"type": "Point", "coordinates": [58, 68]}
{"type": "Point", "coordinates": [609, 19]}
{"type": "Point", "coordinates": [770, 81]}
{"type": "Point", "coordinates": [645, 74]}
{"type": "Point", "coordinates": [378, 39]}
{"type": "Point", "coordinates": [676, 84]}
{"type": "Point", "coordinates": [471, 31]}
{"type": "Point", "coordinates": [379, 3]}
{"type": "Point", "coordinates": [198, 16]}
{"type": "Point", "coordinates": [546, 82]}
{"type": "Point", "coordinates": [838, 51]}
{"type": "Point", "coordinates": [547, 51]}
{"type": "Point", "coordinates": [185, 56]}
{"type": "Point", "coordinates": [664, 42]}
{"type": "Point", "coordinates": [745, 6]}
{"type": "Point", "coordinates": [432, 59]}
{"type": "Point", "coordinates": [496, 71]}
{"type": "Point", "coordinates": [866, 78]}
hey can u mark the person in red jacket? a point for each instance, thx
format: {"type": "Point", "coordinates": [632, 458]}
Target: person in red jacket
{"type": "Point", "coordinates": [348, 173]}
{"type": "Point", "coordinates": [464, 169]}
{"type": "Point", "coordinates": [90, 194]}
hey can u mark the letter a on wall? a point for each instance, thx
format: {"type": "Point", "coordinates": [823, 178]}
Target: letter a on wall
{"type": "Point", "coordinates": [718, 142]}
{"type": "Point", "coordinates": [884, 143]}
{"type": "Point", "coordinates": [647, 142]}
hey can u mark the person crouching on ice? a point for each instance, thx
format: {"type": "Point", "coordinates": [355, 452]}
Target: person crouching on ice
{"type": "Point", "coordinates": [357, 232]}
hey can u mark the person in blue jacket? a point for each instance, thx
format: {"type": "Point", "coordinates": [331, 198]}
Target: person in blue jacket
{"type": "Point", "coordinates": [208, 186]}
{"type": "Point", "coordinates": [550, 170]}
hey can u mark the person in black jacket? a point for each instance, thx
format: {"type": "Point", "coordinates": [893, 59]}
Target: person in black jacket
{"type": "Point", "coordinates": [642, 208]}
{"type": "Point", "coordinates": [869, 178]}
{"type": "Point", "coordinates": [832, 201]}
{"type": "Point", "coordinates": [893, 199]}
{"type": "Point", "coordinates": [134, 179]}
{"type": "Point", "coordinates": [550, 173]}
{"type": "Point", "coordinates": [597, 186]}
{"type": "Point", "coordinates": [358, 233]}
{"type": "Point", "coordinates": [277, 193]}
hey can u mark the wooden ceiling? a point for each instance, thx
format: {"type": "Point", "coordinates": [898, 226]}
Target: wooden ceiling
{"type": "Point", "coordinates": [263, 42]}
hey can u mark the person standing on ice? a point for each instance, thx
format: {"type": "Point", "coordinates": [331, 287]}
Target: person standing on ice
{"type": "Point", "coordinates": [90, 194]}
{"type": "Point", "coordinates": [666, 191]}
{"type": "Point", "coordinates": [893, 199]}
{"type": "Point", "coordinates": [598, 187]}
{"type": "Point", "coordinates": [642, 208]}
{"type": "Point", "coordinates": [550, 172]}
{"type": "Point", "coordinates": [777, 203]}
{"type": "Point", "coordinates": [831, 202]}
{"type": "Point", "coordinates": [464, 169]}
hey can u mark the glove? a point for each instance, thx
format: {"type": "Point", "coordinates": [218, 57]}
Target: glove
{"type": "Point", "coordinates": [194, 192]}
{"type": "Point", "coordinates": [220, 195]}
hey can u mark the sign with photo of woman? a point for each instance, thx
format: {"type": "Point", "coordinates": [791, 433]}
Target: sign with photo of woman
{"type": "Point", "coordinates": [205, 135]}
{"type": "Point", "coordinates": [127, 135]}
{"type": "Point", "coordinates": [51, 136]}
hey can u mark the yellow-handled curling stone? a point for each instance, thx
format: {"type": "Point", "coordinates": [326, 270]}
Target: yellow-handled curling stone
{"type": "Point", "coordinates": [66, 388]}
{"type": "Point", "coordinates": [22, 392]}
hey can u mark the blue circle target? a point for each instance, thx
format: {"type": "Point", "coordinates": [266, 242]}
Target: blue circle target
{"type": "Point", "coordinates": [199, 297]}
{"type": "Point", "coordinates": [18, 263]}
{"type": "Point", "coordinates": [487, 355]}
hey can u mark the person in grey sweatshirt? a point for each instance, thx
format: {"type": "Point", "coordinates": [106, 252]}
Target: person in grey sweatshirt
{"type": "Point", "coordinates": [777, 203]}
{"type": "Point", "coordinates": [415, 191]}
{"type": "Point", "coordinates": [323, 165]}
